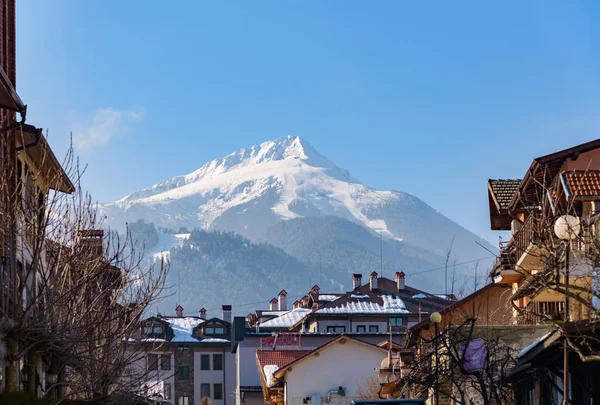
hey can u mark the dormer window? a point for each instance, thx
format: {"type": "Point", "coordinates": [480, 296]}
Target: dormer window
{"type": "Point", "coordinates": [151, 329]}
{"type": "Point", "coordinates": [217, 330]}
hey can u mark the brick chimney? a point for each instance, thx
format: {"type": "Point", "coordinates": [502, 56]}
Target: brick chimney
{"type": "Point", "coordinates": [179, 311]}
{"type": "Point", "coordinates": [356, 280]}
{"type": "Point", "coordinates": [315, 289]}
{"type": "Point", "coordinates": [273, 304]}
{"type": "Point", "coordinates": [91, 241]}
{"type": "Point", "coordinates": [282, 300]}
{"type": "Point", "coordinates": [400, 280]}
{"type": "Point", "coordinates": [203, 313]}
{"type": "Point", "coordinates": [373, 281]}
{"type": "Point", "coordinates": [226, 313]}
{"type": "Point", "coordinates": [296, 304]}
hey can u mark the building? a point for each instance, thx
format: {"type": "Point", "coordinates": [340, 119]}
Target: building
{"type": "Point", "coordinates": [188, 358]}
{"type": "Point", "coordinates": [331, 373]}
{"type": "Point", "coordinates": [561, 183]}
{"type": "Point", "coordinates": [380, 306]}
{"type": "Point", "coordinates": [370, 312]}
{"type": "Point", "coordinates": [537, 378]}
{"type": "Point", "coordinates": [28, 171]}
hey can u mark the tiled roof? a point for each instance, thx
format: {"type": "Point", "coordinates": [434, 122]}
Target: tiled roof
{"type": "Point", "coordinates": [582, 183]}
{"type": "Point", "coordinates": [366, 304]}
{"type": "Point", "coordinates": [503, 191]}
{"type": "Point", "coordinates": [279, 358]}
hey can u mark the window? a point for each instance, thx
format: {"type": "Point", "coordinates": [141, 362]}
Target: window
{"type": "Point", "coordinates": [218, 391]}
{"type": "Point", "coordinates": [183, 401]}
{"type": "Point", "coordinates": [336, 329]}
{"type": "Point", "coordinates": [205, 362]}
{"type": "Point", "coordinates": [147, 330]}
{"type": "Point", "coordinates": [214, 331]}
{"type": "Point", "coordinates": [152, 362]}
{"type": "Point", "coordinates": [157, 329]}
{"type": "Point", "coordinates": [373, 328]}
{"type": "Point", "coordinates": [217, 362]}
{"type": "Point", "coordinates": [165, 362]}
{"type": "Point", "coordinates": [361, 328]}
{"type": "Point", "coordinates": [184, 373]}
{"type": "Point", "coordinates": [396, 321]}
{"type": "Point", "coordinates": [204, 390]}
{"type": "Point", "coordinates": [167, 391]}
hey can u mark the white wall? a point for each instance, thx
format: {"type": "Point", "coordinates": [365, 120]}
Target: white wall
{"type": "Point", "coordinates": [344, 365]}
{"type": "Point", "coordinates": [226, 377]}
{"type": "Point", "coordinates": [323, 324]}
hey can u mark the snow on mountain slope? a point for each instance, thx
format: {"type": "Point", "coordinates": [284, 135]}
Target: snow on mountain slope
{"type": "Point", "coordinates": [252, 189]}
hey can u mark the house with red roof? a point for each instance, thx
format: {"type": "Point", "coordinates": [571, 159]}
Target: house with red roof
{"type": "Point", "coordinates": [330, 373]}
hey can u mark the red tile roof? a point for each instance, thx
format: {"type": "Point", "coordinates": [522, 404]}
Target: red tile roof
{"type": "Point", "coordinates": [280, 358]}
{"type": "Point", "coordinates": [583, 183]}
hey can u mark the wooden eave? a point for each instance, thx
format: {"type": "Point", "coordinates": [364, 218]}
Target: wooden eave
{"type": "Point", "coordinates": [32, 142]}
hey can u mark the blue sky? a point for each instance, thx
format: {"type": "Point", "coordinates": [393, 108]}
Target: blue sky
{"type": "Point", "coordinates": [430, 98]}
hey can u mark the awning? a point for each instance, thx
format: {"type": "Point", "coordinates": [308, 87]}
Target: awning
{"type": "Point", "coordinates": [9, 98]}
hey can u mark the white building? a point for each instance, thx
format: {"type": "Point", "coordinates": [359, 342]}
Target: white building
{"type": "Point", "coordinates": [329, 374]}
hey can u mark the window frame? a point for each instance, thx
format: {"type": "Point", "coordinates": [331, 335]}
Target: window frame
{"type": "Point", "coordinates": [394, 321]}
{"type": "Point", "coordinates": [220, 397]}
{"type": "Point", "coordinates": [202, 386]}
{"type": "Point", "coordinates": [204, 357]}
{"type": "Point", "coordinates": [359, 327]}
{"type": "Point", "coordinates": [167, 357]}
{"type": "Point", "coordinates": [183, 373]}
{"type": "Point", "coordinates": [152, 361]}
{"type": "Point", "coordinates": [214, 363]}
{"type": "Point", "coordinates": [167, 390]}
{"type": "Point", "coordinates": [333, 328]}
{"type": "Point", "coordinates": [375, 327]}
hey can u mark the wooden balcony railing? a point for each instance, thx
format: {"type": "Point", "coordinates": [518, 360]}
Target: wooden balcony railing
{"type": "Point", "coordinates": [539, 312]}
{"type": "Point", "coordinates": [511, 251]}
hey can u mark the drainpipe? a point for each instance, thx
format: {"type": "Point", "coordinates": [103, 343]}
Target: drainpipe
{"type": "Point", "coordinates": [224, 378]}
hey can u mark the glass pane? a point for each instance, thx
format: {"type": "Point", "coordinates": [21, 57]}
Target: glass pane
{"type": "Point", "coordinates": [205, 362]}
{"type": "Point", "coordinates": [217, 362]}
{"type": "Point", "coordinates": [157, 329]}
{"type": "Point", "coordinates": [152, 362]}
{"type": "Point", "coordinates": [165, 362]}
{"type": "Point", "coordinates": [218, 391]}
{"type": "Point", "coordinates": [205, 390]}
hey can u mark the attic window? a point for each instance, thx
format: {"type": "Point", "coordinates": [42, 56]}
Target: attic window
{"type": "Point", "coordinates": [219, 330]}
{"type": "Point", "coordinates": [153, 329]}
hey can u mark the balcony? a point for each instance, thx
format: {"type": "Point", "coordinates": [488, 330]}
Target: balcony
{"type": "Point", "coordinates": [512, 252]}
{"type": "Point", "coordinates": [536, 313]}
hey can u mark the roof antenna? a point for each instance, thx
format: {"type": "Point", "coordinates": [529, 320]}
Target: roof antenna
{"type": "Point", "coordinates": [381, 253]}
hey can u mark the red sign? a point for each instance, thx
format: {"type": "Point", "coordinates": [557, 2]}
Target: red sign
{"type": "Point", "coordinates": [281, 340]}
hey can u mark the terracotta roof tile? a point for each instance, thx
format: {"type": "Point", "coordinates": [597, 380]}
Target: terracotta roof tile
{"type": "Point", "coordinates": [504, 191]}
{"type": "Point", "coordinates": [280, 358]}
{"type": "Point", "coordinates": [583, 183]}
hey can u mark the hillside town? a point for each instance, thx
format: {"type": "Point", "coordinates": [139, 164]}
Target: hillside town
{"type": "Point", "coordinates": [83, 317]}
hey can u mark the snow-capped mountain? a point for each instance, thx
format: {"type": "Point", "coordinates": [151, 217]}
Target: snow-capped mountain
{"type": "Point", "coordinates": [251, 190]}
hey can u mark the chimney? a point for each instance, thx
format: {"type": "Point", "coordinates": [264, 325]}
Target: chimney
{"type": "Point", "coordinates": [203, 313]}
{"type": "Point", "coordinates": [179, 311]}
{"type": "Point", "coordinates": [315, 289]}
{"type": "Point", "coordinates": [373, 281]}
{"type": "Point", "coordinates": [273, 304]}
{"type": "Point", "coordinates": [91, 242]}
{"type": "Point", "coordinates": [400, 280]}
{"type": "Point", "coordinates": [226, 313]}
{"type": "Point", "coordinates": [356, 280]}
{"type": "Point", "coordinates": [296, 304]}
{"type": "Point", "coordinates": [283, 300]}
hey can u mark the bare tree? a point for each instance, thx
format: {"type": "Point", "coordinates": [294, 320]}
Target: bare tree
{"type": "Point", "coordinates": [72, 295]}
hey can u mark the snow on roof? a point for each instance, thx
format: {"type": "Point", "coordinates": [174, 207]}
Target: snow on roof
{"type": "Point", "coordinates": [183, 327]}
{"type": "Point", "coordinates": [361, 296]}
{"type": "Point", "coordinates": [420, 295]}
{"type": "Point", "coordinates": [391, 305]}
{"type": "Point", "coordinates": [269, 370]}
{"type": "Point", "coordinates": [287, 319]}
{"type": "Point", "coordinates": [152, 340]}
{"type": "Point", "coordinates": [328, 297]}
{"type": "Point", "coordinates": [529, 347]}
{"type": "Point", "coordinates": [215, 340]}
{"type": "Point", "coordinates": [442, 296]}
{"type": "Point", "coordinates": [272, 313]}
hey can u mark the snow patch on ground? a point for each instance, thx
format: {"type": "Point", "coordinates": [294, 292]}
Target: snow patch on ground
{"type": "Point", "coordinates": [166, 243]}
